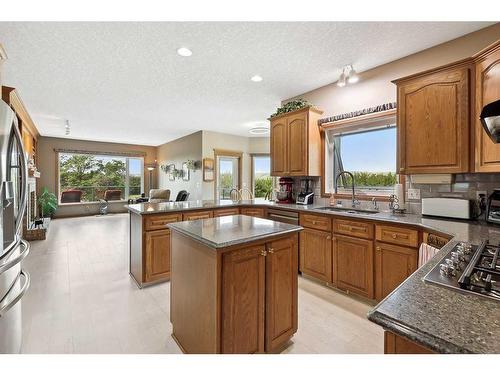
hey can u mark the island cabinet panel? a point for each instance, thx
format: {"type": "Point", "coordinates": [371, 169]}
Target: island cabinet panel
{"type": "Point", "coordinates": [254, 211]}
{"type": "Point", "coordinates": [316, 254]}
{"type": "Point", "coordinates": [487, 156]}
{"type": "Point", "coordinates": [155, 222]}
{"type": "Point", "coordinates": [433, 121]}
{"type": "Point", "coordinates": [353, 265]}
{"type": "Point", "coordinates": [393, 265]}
{"type": "Point", "coordinates": [395, 344]}
{"type": "Point", "coordinates": [197, 215]}
{"type": "Point", "coordinates": [243, 299]}
{"type": "Point", "coordinates": [226, 211]}
{"type": "Point", "coordinates": [157, 255]}
{"type": "Point", "coordinates": [281, 292]}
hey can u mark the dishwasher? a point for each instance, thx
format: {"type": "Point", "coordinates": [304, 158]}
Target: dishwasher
{"type": "Point", "coordinates": [283, 216]}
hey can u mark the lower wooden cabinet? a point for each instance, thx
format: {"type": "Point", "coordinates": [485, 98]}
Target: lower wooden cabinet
{"type": "Point", "coordinates": [353, 265]}
{"type": "Point", "coordinates": [316, 254]}
{"type": "Point", "coordinates": [256, 212]}
{"type": "Point", "coordinates": [393, 265]}
{"type": "Point", "coordinates": [259, 297]}
{"type": "Point", "coordinates": [226, 212]}
{"type": "Point", "coordinates": [157, 265]}
{"type": "Point", "coordinates": [196, 215]}
{"type": "Point", "coordinates": [395, 344]}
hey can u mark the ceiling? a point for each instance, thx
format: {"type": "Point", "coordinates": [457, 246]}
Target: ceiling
{"type": "Point", "coordinates": [124, 82]}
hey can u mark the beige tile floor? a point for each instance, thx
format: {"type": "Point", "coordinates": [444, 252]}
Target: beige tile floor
{"type": "Point", "coordinates": [82, 300]}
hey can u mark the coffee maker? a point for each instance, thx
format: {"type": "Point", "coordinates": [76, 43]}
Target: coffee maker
{"type": "Point", "coordinates": [493, 207]}
{"type": "Point", "coordinates": [306, 196]}
{"type": "Point", "coordinates": [285, 194]}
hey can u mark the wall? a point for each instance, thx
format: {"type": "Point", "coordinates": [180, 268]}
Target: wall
{"type": "Point", "coordinates": [47, 165]}
{"type": "Point", "coordinates": [177, 152]}
{"type": "Point", "coordinates": [375, 87]}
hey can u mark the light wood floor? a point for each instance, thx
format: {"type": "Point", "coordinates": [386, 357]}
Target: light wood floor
{"type": "Point", "coordinates": [82, 300]}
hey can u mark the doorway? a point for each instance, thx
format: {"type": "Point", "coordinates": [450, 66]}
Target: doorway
{"type": "Point", "coordinates": [228, 173]}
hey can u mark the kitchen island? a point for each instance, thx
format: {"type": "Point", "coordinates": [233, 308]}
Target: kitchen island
{"type": "Point", "coordinates": [233, 284]}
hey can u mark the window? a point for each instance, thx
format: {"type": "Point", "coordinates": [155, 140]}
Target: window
{"type": "Point", "coordinates": [368, 152]}
{"type": "Point", "coordinates": [91, 177]}
{"type": "Point", "coordinates": [261, 175]}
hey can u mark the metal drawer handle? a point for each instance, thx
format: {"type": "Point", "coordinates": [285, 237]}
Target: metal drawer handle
{"type": "Point", "coordinates": [4, 267]}
{"type": "Point", "coordinates": [24, 288]}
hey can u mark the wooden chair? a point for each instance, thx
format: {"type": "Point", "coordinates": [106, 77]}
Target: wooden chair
{"type": "Point", "coordinates": [71, 196]}
{"type": "Point", "coordinates": [245, 194]}
{"type": "Point", "coordinates": [113, 195]}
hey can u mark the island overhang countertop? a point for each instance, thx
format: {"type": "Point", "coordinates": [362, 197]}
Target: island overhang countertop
{"type": "Point", "coordinates": [225, 231]}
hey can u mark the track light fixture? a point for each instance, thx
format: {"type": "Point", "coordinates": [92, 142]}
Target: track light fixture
{"type": "Point", "coordinates": [348, 75]}
{"type": "Point", "coordinates": [67, 128]}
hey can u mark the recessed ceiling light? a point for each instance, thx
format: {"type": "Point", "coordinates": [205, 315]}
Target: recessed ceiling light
{"type": "Point", "coordinates": [183, 51]}
{"type": "Point", "coordinates": [256, 78]}
{"type": "Point", "coordinates": [259, 130]}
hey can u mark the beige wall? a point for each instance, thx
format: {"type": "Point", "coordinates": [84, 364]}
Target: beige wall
{"type": "Point", "coordinates": [375, 87]}
{"type": "Point", "coordinates": [177, 152]}
{"type": "Point", "coordinates": [47, 165]}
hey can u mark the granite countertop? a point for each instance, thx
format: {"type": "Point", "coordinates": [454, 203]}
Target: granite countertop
{"type": "Point", "coordinates": [439, 318]}
{"type": "Point", "coordinates": [221, 232]}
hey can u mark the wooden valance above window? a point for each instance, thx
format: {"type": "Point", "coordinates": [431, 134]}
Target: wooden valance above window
{"type": "Point", "coordinates": [371, 117]}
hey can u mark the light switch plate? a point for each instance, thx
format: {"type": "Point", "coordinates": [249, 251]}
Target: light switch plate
{"type": "Point", "coordinates": [413, 193]}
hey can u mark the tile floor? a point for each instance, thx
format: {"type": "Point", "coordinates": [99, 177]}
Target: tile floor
{"type": "Point", "coordinates": [82, 300]}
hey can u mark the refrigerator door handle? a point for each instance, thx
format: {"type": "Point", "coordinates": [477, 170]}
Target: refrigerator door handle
{"type": "Point", "coordinates": [7, 306]}
{"type": "Point", "coordinates": [24, 178]}
{"type": "Point", "coordinates": [11, 263]}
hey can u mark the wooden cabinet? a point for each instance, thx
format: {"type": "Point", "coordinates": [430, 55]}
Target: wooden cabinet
{"type": "Point", "coordinates": [226, 212]}
{"type": "Point", "coordinates": [157, 255]}
{"type": "Point", "coordinates": [252, 211]}
{"type": "Point", "coordinates": [296, 144]}
{"type": "Point", "coordinates": [316, 254]}
{"type": "Point", "coordinates": [397, 235]}
{"type": "Point", "coordinates": [316, 222]}
{"type": "Point", "coordinates": [353, 265]}
{"type": "Point", "coordinates": [281, 292]}
{"type": "Point", "coordinates": [433, 119]}
{"type": "Point", "coordinates": [243, 292]}
{"type": "Point", "coordinates": [487, 90]}
{"type": "Point", "coordinates": [155, 222]}
{"type": "Point", "coordinates": [393, 265]}
{"type": "Point", "coordinates": [395, 344]}
{"type": "Point", "coordinates": [197, 215]}
{"type": "Point", "coordinates": [353, 228]}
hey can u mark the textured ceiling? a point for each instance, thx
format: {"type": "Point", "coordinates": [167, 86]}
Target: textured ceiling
{"type": "Point", "coordinates": [124, 82]}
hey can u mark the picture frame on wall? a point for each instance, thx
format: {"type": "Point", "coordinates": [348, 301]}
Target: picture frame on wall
{"type": "Point", "coordinates": [171, 175]}
{"type": "Point", "coordinates": [185, 171]}
{"type": "Point", "coordinates": [208, 169]}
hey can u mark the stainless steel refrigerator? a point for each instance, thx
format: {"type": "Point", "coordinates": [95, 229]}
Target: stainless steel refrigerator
{"type": "Point", "coordinates": [14, 281]}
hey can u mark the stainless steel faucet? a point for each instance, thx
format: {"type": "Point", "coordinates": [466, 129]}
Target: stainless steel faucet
{"type": "Point", "coordinates": [354, 200]}
{"type": "Point", "coordinates": [374, 203]}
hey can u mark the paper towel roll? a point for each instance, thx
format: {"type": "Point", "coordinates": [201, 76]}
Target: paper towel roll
{"type": "Point", "coordinates": [399, 193]}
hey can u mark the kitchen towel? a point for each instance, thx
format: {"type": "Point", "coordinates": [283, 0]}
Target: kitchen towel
{"type": "Point", "coordinates": [426, 253]}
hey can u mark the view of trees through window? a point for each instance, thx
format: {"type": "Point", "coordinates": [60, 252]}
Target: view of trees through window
{"type": "Point", "coordinates": [370, 156]}
{"type": "Point", "coordinates": [94, 174]}
{"type": "Point", "coordinates": [263, 182]}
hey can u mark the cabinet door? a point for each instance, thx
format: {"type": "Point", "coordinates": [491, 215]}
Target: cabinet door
{"type": "Point", "coordinates": [316, 254]}
{"type": "Point", "coordinates": [197, 215]}
{"type": "Point", "coordinates": [487, 91]}
{"type": "Point", "coordinates": [157, 255]}
{"type": "Point", "coordinates": [243, 300]}
{"type": "Point", "coordinates": [353, 265]}
{"type": "Point", "coordinates": [226, 212]}
{"type": "Point", "coordinates": [256, 212]}
{"type": "Point", "coordinates": [393, 265]}
{"type": "Point", "coordinates": [433, 123]}
{"type": "Point", "coordinates": [281, 292]}
{"type": "Point", "coordinates": [297, 144]}
{"type": "Point", "coordinates": [278, 147]}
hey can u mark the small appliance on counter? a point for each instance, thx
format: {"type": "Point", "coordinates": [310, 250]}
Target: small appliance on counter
{"type": "Point", "coordinates": [285, 193]}
{"type": "Point", "coordinates": [306, 196]}
{"type": "Point", "coordinates": [455, 208]}
{"type": "Point", "coordinates": [493, 207]}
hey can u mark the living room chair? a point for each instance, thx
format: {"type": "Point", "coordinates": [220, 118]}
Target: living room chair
{"type": "Point", "coordinates": [159, 195]}
{"type": "Point", "coordinates": [182, 196]}
{"type": "Point", "coordinates": [113, 195]}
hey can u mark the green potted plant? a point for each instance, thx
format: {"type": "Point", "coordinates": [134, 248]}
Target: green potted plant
{"type": "Point", "coordinates": [291, 106]}
{"type": "Point", "coordinates": [47, 202]}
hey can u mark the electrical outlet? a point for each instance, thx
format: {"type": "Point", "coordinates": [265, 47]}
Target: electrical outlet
{"type": "Point", "coordinates": [413, 193]}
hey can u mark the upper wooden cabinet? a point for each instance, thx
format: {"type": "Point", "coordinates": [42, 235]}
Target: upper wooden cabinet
{"type": "Point", "coordinates": [433, 120]}
{"type": "Point", "coordinates": [296, 143]}
{"type": "Point", "coordinates": [487, 62]}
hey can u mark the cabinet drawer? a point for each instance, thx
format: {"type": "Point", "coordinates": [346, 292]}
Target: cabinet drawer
{"type": "Point", "coordinates": [197, 215]}
{"type": "Point", "coordinates": [397, 235]}
{"type": "Point", "coordinates": [226, 212]}
{"type": "Point", "coordinates": [316, 222]}
{"type": "Point", "coordinates": [353, 228]}
{"type": "Point", "coordinates": [257, 212]}
{"type": "Point", "coordinates": [155, 222]}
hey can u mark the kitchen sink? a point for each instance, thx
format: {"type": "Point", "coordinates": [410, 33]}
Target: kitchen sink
{"type": "Point", "coordinates": [348, 210]}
